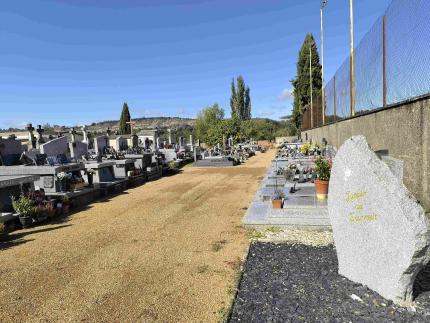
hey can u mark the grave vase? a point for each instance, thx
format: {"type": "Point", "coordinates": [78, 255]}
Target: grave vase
{"type": "Point", "coordinates": [277, 204]}
{"type": "Point", "coordinates": [321, 189]}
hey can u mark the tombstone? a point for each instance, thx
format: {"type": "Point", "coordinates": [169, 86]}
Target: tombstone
{"type": "Point", "coordinates": [181, 142]}
{"type": "Point", "coordinates": [10, 151]}
{"type": "Point", "coordinates": [381, 232]}
{"type": "Point", "coordinates": [121, 143]}
{"type": "Point", "coordinates": [31, 138]}
{"type": "Point", "coordinates": [100, 144]}
{"type": "Point", "coordinates": [169, 131]}
{"type": "Point", "coordinates": [40, 139]}
{"type": "Point", "coordinates": [57, 146]}
{"type": "Point", "coordinates": [134, 141]}
{"type": "Point", "coordinates": [78, 149]}
{"type": "Point", "coordinates": [230, 142]}
{"type": "Point", "coordinates": [191, 141]}
{"type": "Point", "coordinates": [85, 134]}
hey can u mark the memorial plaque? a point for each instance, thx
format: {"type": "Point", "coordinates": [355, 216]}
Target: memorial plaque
{"type": "Point", "coordinates": [381, 232]}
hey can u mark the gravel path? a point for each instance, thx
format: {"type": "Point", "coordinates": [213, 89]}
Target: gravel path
{"type": "Point", "coordinates": [167, 251]}
{"type": "Point", "coordinates": [299, 283]}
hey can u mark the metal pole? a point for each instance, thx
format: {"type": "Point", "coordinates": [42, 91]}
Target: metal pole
{"type": "Point", "coordinates": [384, 61]}
{"type": "Point", "coordinates": [310, 75]}
{"type": "Point", "coordinates": [323, 4]}
{"type": "Point", "coordinates": [352, 67]}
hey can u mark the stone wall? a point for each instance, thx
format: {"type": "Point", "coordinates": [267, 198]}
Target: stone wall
{"type": "Point", "coordinates": [404, 131]}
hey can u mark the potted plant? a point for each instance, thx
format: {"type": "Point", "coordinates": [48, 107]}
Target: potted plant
{"type": "Point", "coordinates": [25, 209]}
{"type": "Point", "coordinates": [66, 205]}
{"type": "Point", "coordinates": [90, 173]}
{"type": "Point", "coordinates": [322, 171]}
{"type": "Point", "coordinates": [305, 148]}
{"type": "Point", "coordinates": [278, 199]}
{"type": "Point", "coordinates": [40, 213]}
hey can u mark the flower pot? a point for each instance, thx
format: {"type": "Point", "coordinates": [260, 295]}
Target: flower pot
{"type": "Point", "coordinates": [321, 188]}
{"type": "Point", "coordinates": [277, 204]}
{"type": "Point", "coordinates": [90, 180]}
{"type": "Point", "coordinates": [25, 221]}
{"type": "Point", "coordinates": [63, 186]}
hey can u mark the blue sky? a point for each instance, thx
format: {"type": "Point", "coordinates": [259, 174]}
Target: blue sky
{"type": "Point", "coordinates": [76, 61]}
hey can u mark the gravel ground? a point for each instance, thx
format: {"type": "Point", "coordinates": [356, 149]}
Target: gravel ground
{"type": "Point", "coordinates": [299, 283]}
{"type": "Point", "coordinates": [167, 251]}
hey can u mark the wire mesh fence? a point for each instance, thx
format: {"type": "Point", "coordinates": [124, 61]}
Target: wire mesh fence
{"type": "Point", "coordinates": [392, 65]}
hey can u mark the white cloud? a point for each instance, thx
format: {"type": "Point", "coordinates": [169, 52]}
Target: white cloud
{"type": "Point", "coordinates": [286, 94]}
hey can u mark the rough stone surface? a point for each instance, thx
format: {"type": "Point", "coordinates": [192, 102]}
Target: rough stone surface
{"type": "Point", "coordinates": [380, 231]}
{"type": "Point", "coordinates": [300, 283]}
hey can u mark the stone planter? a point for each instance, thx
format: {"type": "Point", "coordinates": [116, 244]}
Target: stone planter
{"type": "Point", "coordinates": [277, 204]}
{"type": "Point", "coordinates": [321, 189]}
{"type": "Point", "coordinates": [25, 221]}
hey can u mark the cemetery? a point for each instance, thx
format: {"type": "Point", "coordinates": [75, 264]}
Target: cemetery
{"type": "Point", "coordinates": [74, 169]}
{"type": "Point", "coordinates": [245, 188]}
{"type": "Point", "coordinates": [378, 270]}
{"type": "Point", "coordinates": [227, 154]}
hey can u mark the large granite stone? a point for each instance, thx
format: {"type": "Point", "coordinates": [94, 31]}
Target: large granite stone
{"type": "Point", "coordinates": [381, 232]}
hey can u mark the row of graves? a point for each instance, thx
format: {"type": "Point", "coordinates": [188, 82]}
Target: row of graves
{"type": "Point", "coordinates": [49, 175]}
{"type": "Point", "coordinates": [287, 196]}
{"type": "Point", "coordinates": [381, 231]}
{"type": "Point", "coordinates": [227, 154]}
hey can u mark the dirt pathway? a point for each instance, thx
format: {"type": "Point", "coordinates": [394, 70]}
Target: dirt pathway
{"type": "Point", "coordinates": [166, 251]}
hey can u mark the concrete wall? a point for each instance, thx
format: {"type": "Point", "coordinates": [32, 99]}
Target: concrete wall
{"type": "Point", "coordinates": [403, 130]}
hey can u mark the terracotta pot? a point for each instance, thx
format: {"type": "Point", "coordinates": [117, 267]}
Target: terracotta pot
{"type": "Point", "coordinates": [321, 188]}
{"type": "Point", "coordinates": [277, 204]}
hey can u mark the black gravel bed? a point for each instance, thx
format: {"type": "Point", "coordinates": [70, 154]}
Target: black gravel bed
{"type": "Point", "coordinates": [298, 283]}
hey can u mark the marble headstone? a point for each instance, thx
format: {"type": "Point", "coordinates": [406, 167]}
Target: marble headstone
{"type": "Point", "coordinates": [100, 143]}
{"type": "Point", "coordinates": [55, 147]}
{"type": "Point", "coordinates": [78, 149]}
{"type": "Point", "coordinates": [380, 231]}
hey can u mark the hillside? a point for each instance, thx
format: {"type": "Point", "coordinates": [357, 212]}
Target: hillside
{"type": "Point", "coordinates": [143, 123]}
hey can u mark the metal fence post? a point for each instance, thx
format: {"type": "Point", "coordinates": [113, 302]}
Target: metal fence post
{"type": "Point", "coordinates": [384, 60]}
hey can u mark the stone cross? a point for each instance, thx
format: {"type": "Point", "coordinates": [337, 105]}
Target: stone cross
{"type": "Point", "coordinates": [191, 141]}
{"type": "Point", "coordinates": [85, 134]}
{"type": "Point", "coordinates": [157, 140]}
{"type": "Point", "coordinates": [40, 132]}
{"type": "Point", "coordinates": [198, 142]}
{"type": "Point", "coordinates": [31, 138]}
{"type": "Point", "coordinates": [73, 134]}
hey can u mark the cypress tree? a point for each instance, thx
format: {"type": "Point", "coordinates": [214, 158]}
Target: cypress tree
{"type": "Point", "coordinates": [240, 98]}
{"type": "Point", "coordinates": [233, 100]}
{"type": "Point", "coordinates": [124, 127]}
{"type": "Point", "coordinates": [301, 84]}
{"type": "Point", "coordinates": [247, 104]}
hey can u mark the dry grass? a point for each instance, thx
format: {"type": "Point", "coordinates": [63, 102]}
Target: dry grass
{"type": "Point", "coordinates": [168, 251]}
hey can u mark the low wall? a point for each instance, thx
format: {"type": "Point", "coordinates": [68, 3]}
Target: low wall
{"type": "Point", "coordinates": [404, 131]}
